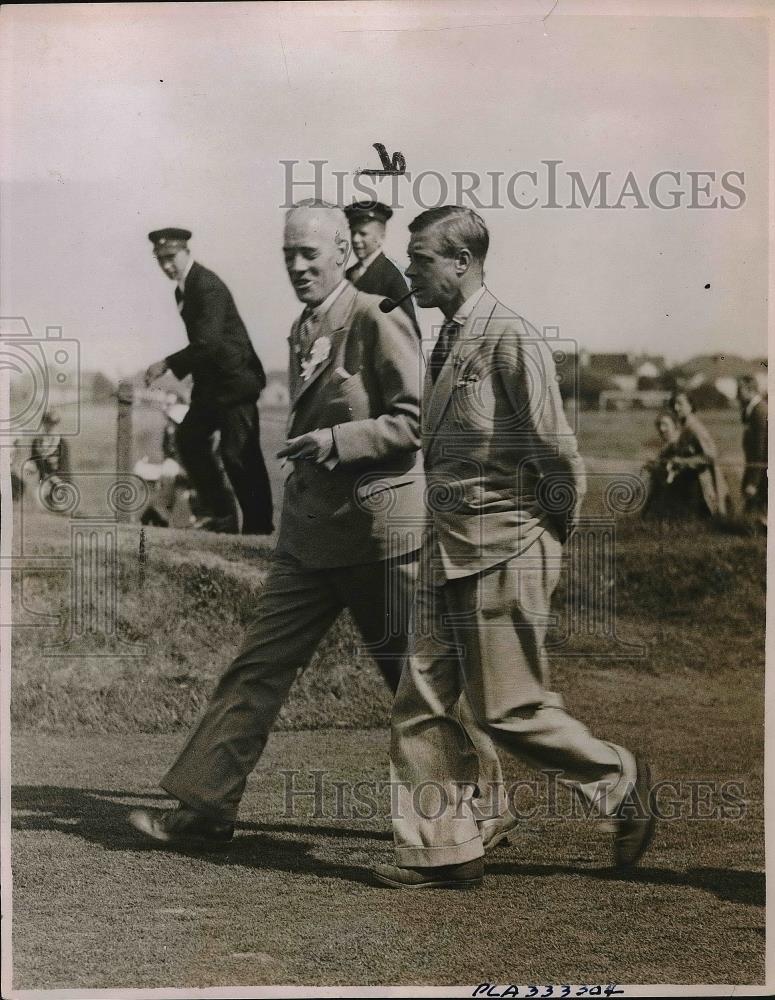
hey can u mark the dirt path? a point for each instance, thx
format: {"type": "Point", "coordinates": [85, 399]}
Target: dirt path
{"type": "Point", "coordinates": [290, 900]}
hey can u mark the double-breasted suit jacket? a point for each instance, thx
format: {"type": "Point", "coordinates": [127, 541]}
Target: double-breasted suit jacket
{"type": "Point", "coordinates": [367, 507]}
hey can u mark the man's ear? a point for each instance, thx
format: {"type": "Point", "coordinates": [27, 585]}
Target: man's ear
{"type": "Point", "coordinates": [463, 261]}
{"type": "Point", "coordinates": [344, 251]}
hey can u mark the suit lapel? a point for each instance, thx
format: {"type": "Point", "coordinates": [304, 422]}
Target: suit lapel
{"type": "Point", "coordinates": [437, 397]}
{"type": "Point", "coordinates": [334, 326]}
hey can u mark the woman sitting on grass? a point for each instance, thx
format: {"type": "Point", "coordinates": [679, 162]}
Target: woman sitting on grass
{"type": "Point", "coordinates": [661, 497]}
{"type": "Point", "coordinates": [698, 488]}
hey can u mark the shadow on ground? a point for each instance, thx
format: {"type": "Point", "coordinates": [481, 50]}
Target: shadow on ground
{"type": "Point", "coordinates": [96, 816]}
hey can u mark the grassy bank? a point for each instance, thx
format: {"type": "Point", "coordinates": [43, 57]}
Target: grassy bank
{"type": "Point", "coordinates": [679, 601]}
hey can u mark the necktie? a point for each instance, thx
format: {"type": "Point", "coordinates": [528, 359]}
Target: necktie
{"type": "Point", "coordinates": [442, 348]}
{"type": "Point", "coordinates": [308, 330]}
{"type": "Point", "coordinates": [179, 297]}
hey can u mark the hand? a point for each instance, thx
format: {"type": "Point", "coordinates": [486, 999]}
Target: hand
{"type": "Point", "coordinates": [154, 371]}
{"type": "Point", "coordinates": [314, 446]}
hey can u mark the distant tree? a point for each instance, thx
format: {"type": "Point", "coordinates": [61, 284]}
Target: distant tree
{"type": "Point", "coordinates": [590, 385]}
{"type": "Point", "coordinates": [708, 397]}
{"type": "Point", "coordinates": [102, 388]}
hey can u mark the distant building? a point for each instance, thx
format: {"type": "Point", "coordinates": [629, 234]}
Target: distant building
{"type": "Point", "coordinates": [722, 372]}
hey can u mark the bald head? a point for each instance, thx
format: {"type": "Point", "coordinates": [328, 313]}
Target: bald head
{"type": "Point", "coordinates": [315, 246]}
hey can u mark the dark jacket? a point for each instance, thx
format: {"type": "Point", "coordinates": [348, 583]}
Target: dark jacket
{"type": "Point", "coordinates": [382, 277]}
{"type": "Point", "coordinates": [220, 356]}
{"type": "Point", "coordinates": [755, 449]}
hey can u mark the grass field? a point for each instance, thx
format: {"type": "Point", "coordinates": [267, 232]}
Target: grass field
{"type": "Point", "coordinates": [610, 442]}
{"type": "Point", "coordinates": [682, 678]}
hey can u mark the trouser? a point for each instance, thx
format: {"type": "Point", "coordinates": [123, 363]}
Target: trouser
{"type": "Point", "coordinates": [240, 452]}
{"type": "Point", "coordinates": [296, 608]}
{"type": "Point", "coordinates": [484, 634]}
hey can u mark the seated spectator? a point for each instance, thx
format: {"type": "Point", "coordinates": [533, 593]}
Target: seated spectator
{"type": "Point", "coordinates": [662, 500]}
{"type": "Point", "coordinates": [166, 480]}
{"type": "Point", "coordinates": [50, 451]}
{"type": "Point", "coordinates": [50, 454]}
{"type": "Point", "coordinates": [698, 485]}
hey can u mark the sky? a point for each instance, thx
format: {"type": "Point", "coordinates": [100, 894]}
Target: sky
{"type": "Point", "coordinates": [120, 119]}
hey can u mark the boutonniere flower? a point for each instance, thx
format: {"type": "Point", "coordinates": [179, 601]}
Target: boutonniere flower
{"type": "Point", "coordinates": [318, 353]}
{"type": "Point", "coordinates": [469, 379]}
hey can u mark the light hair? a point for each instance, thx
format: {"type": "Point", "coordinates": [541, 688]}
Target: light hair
{"type": "Point", "coordinates": [336, 215]}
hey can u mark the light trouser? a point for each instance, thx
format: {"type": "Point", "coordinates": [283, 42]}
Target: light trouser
{"type": "Point", "coordinates": [296, 608]}
{"type": "Point", "coordinates": [484, 634]}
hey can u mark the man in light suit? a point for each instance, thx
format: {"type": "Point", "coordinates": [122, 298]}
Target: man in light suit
{"type": "Point", "coordinates": [228, 379]}
{"type": "Point", "coordinates": [350, 525]}
{"type": "Point", "coordinates": [504, 484]}
{"type": "Point", "coordinates": [753, 410]}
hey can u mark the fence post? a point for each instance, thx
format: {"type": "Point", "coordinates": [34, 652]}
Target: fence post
{"type": "Point", "coordinates": [124, 435]}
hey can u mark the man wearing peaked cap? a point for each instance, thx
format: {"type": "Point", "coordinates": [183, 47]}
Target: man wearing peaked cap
{"type": "Point", "coordinates": [228, 378]}
{"type": "Point", "coordinates": [375, 273]}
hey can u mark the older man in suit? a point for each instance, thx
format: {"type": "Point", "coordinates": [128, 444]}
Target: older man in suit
{"type": "Point", "coordinates": [504, 483]}
{"type": "Point", "coordinates": [753, 410]}
{"type": "Point", "coordinates": [228, 379]}
{"type": "Point", "coordinates": [375, 273]}
{"type": "Point", "coordinates": [350, 529]}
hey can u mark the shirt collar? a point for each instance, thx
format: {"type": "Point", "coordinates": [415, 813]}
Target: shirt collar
{"type": "Point", "coordinates": [463, 313]}
{"type": "Point", "coordinates": [750, 408]}
{"type": "Point", "coordinates": [318, 312]}
{"type": "Point", "coordinates": [184, 275]}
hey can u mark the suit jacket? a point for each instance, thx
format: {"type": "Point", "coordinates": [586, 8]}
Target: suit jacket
{"type": "Point", "coordinates": [501, 462]}
{"type": "Point", "coordinates": [219, 355]}
{"type": "Point", "coordinates": [382, 277]}
{"type": "Point", "coordinates": [368, 507]}
{"type": "Point", "coordinates": [755, 448]}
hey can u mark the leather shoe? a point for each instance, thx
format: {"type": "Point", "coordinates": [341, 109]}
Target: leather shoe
{"type": "Point", "coordinates": [468, 875]}
{"type": "Point", "coordinates": [495, 831]}
{"type": "Point", "coordinates": [182, 826]}
{"type": "Point", "coordinates": [635, 819]}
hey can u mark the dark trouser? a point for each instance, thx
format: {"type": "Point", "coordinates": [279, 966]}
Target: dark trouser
{"type": "Point", "coordinates": [296, 608]}
{"type": "Point", "coordinates": [240, 452]}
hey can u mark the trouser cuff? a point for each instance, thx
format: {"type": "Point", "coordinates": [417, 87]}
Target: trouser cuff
{"type": "Point", "coordinates": [435, 857]}
{"type": "Point", "coordinates": [221, 813]}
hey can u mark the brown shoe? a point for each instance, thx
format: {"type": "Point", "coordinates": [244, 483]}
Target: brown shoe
{"type": "Point", "coordinates": [468, 875]}
{"type": "Point", "coordinates": [181, 826]}
{"type": "Point", "coordinates": [635, 820]}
